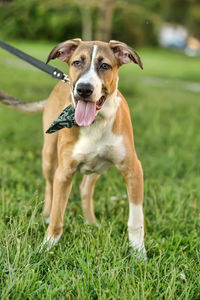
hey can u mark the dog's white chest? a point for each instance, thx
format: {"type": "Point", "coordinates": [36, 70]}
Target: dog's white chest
{"type": "Point", "coordinates": [97, 149]}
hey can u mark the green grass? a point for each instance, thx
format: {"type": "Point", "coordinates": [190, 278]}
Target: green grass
{"type": "Point", "coordinates": [96, 263]}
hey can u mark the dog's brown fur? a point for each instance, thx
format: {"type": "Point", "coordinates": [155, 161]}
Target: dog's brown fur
{"type": "Point", "coordinates": [61, 155]}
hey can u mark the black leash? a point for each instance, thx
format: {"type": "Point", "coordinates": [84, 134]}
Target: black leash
{"type": "Point", "coordinates": [54, 72]}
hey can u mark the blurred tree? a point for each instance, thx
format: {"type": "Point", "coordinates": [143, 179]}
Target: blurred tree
{"type": "Point", "coordinates": [104, 24]}
{"type": "Point", "coordinates": [86, 23]}
{"type": "Point", "coordinates": [86, 7]}
{"type": "Point", "coordinates": [135, 23]}
{"type": "Point", "coordinates": [185, 12]}
{"type": "Point", "coordinates": [193, 20]}
{"type": "Point", "coordinates": [47, 19]}
{"type": "Point", "coordinates": [4, 1]}
{"type": "Point", "coordinates": [132, 21]}
{"type": "Point", "coordinates": [176, 10]}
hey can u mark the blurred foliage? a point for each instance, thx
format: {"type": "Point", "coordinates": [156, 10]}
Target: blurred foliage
{"type": "Point", "coordinates": [185, 12]}
{"type": "Point", "coordinates": [33, 19]}
{"type": "Point", "coordinates": [133, 20]}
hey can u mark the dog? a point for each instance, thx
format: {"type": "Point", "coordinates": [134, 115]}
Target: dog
{"type": "Point", "coordinates": [102, 137]}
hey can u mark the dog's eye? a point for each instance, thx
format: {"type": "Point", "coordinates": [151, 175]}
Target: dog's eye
{"type": "Point", "coordinates": [76, 63]}
{"type": "Point", "coordinates": [105, 66]}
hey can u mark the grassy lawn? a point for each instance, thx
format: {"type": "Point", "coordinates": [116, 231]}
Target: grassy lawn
{"type": "Point", "coordinates": [96, 263]}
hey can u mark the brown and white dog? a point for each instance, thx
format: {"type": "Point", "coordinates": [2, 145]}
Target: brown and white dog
{"type": "Point", "coordinates": [103, 137]}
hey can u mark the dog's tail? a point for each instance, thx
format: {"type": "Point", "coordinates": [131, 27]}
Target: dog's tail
{"type": "Point", "coordinates": [27, 107]}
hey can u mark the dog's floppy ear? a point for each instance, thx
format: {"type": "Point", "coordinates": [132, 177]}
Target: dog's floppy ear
{"type": "Point", "coordinates": [124, 53]}
{"type": "Point", "coordinates": [64, 50]}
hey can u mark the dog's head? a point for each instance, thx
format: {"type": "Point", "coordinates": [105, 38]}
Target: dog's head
{"type": "Point", "coordinates": [93, 72]}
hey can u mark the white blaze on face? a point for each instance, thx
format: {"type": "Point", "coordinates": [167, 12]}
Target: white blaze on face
{"type": "Point", "coordinates": [91, 77]}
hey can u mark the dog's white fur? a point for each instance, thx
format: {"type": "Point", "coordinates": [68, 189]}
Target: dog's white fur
{"type": "Point", "coordinates": [91, 77]}
{"type": "Point", "coordinates": [90, 150]}
{"type": "Point", "coordinates": [97, 147]}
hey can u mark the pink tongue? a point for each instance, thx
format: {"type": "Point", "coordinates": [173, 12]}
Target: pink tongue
{"type": "Point", "coordinates": [85, 113]}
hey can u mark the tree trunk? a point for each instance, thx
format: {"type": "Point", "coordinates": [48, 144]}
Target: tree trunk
{"type": "Point", "coordinates": [86, 23]}
{"type": "Point", "coordinates": [104, 26]}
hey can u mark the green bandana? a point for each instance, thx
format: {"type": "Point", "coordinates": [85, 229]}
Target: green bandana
{"type": "Point", "coordinates": [66, 119]}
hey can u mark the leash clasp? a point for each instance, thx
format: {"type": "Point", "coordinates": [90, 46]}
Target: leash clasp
{"type": "Point", "coordinates": [66, 78]}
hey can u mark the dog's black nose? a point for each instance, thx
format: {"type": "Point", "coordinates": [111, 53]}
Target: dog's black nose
{"type": "Point", "coordinates": [84, 89]}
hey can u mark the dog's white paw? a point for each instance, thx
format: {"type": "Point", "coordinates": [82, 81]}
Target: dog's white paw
{"type": "Point", "coordinates": [48, 243]}
{"type": "Point", "coordinates": [139, 251]}
{"type": "Point", "coordinates": [94, 224]}
{"type": "Point", "coordinates": [47, 220]}
{"type": "Point", "coordinates": [136, 238]}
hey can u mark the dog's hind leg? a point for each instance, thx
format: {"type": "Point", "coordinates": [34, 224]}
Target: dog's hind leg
{"type": "Point", "coordinates": [49, 165]}
{"type": "Point", "coordinates": [87, 191]}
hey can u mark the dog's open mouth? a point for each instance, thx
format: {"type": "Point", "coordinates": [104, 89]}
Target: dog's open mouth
{"type": "Point", "coordinates": [85, 111]}
{"type": "Point", "coordinates": [100, 102]}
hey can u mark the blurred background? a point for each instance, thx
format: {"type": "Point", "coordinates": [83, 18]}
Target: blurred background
{"type": "Point", "coordinates": [164, 101]}
{"type": "Point", "coordinates": [170, 23]}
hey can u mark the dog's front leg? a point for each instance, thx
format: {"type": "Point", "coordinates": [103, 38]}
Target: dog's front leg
{"type": "Point", "coordinates": [132, 172]}
{"type": "Point", "coordinates": [61, 190]}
